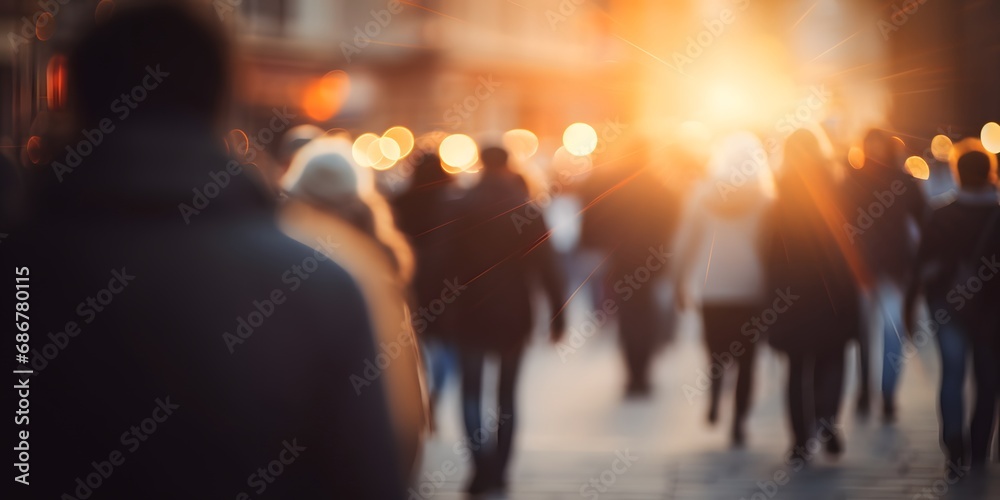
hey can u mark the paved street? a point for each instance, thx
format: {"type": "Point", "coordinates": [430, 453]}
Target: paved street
{"type": "Point", "coordinates": [574, 425]}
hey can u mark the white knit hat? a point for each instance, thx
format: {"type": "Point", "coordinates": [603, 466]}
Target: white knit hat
{"type": "Point", "coordinates": [324, 170]}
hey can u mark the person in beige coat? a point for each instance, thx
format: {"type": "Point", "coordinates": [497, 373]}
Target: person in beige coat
{"type": "Point", "coordinates": [334, 208]}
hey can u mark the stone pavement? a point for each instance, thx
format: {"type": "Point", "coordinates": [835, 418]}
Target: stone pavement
{"type": "Point", "coordinates": [574, 426]}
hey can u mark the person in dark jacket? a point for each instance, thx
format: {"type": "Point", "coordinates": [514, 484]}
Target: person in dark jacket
{"type": "Point", "coordinates": [427, 214]}
{"type": "Point", "coordinates": [498, 262]}
{"type": "Point", "coordinates": [631, 217]}
{"type": "Point", "coordinates": [956, 269]}
{"type": "Point", "coordinates": [809, 260]}
{"type": "Point", "coordinates": [181, 345]}
{"type": "Point", "coordinates": [890, 208]}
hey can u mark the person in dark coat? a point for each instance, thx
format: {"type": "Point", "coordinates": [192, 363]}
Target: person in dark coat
{"type": "Point", "coordinates": [498, 261]}
{"type": "Point", "coordinates": [890, 209]}
{"type": "Point", "coordinates": [810, 261]}
{"type": "Point", "coordinates": [181, 345]}
{"type": "Point", "coordinates": [956, 269]}
{"type": "Point", "coordinates": [427, 214]}
{"type": "Point", "coordinates": [631, 217]}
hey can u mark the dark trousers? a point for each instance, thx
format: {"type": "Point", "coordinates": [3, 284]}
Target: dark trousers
{"type": "Point", "coordinates": [725, 342]}
{"type": "Point", "coordinates": [637, 328]}
{"type": "Point", "coordinates": [489, 457]}
{"type": "Point", "coordinates": [815, 386]}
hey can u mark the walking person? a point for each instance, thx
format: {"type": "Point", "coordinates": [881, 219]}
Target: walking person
{"type": "Point", "coordinates": [209, 333]}
{"type": "Point", "coordinates": [427, 213]}
{"type": "Point", "coordinates": [896, 204]}
{"type": "Point", "coordinates": [332, 206]}
{"type": "Point", "coordinates": [955, 271]}
{"type": "Point", "coordinates": [809, 259]}
{"type": "Point", "coordinates": [631, 217]}
{"type": "Point", "coordinates": [720, 245]}
{"type": "Point", "coordinates": [498, 262]}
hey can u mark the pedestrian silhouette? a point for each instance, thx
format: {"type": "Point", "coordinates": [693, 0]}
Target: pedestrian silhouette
{"type": "Point", "coordinates": [955, 267]}
{"type": "Point", "coordinates": [720, 245]}
{"type": "Point", "coordinates": [498, 261]}
{"type": "Point", "coordinates": [189, 338]}
{"type": "Point", "coordinates": [809, 259]}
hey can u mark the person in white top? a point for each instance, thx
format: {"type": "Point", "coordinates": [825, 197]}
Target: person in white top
{"type": "Point", "coordinates": [719, 254]}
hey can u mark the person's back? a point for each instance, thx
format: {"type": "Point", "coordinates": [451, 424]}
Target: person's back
{"type": "Point", "coordinates": [895, 205]}
{"type": "Point", "coordinates": [180, 351]}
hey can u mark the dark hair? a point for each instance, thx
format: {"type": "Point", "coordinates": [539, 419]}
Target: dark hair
{"type": "Point", "coordinates": [494, 158]}
{"type": "Point", "coordinates": [179, 50]}
{"type": "Point", "coordinates": [427, 170]}
{"type": "Point", "coordinates": [973, 169]}
{"type": "Point", "coordinates": [879, 149]}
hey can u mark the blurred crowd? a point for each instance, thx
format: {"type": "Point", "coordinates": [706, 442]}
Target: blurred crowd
{"type": "Point", "coordinates": [305, 301]}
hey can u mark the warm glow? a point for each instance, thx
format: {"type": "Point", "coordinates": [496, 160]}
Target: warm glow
{"type": "Point", "coordinates": [45, 26]}
{"type": "Point", "coordinates": [389, 150]}
{"type": "Point", "coordinates": [324, 97]}
{"type": "Point", "coordinates": [917, 167]}
{"type": "Point", "coordinates": [376, 158]}
{"type": "Point", "coordinates": [458, 151]}
{"type": "Point", "coordinates": [991, 137]}
{"type": "Point", "coordinates": [238, 142]}
{"type": "Point", "coordinates": [580, 139]}
{"type": "Point", "coordinates": [34, 149]}
{"type": "Point", "coordinates": [564, 161]}
{"type": "Point", "coordinates": [402, 138]}
{"type": "Point", "coordinates": [729, 99]}
{"type": "Point", "coordinates": [55, 82]}
{"type": "Point", "coordinates": [941, 147]}
{"type": "Point", "coordinates": [359, 151]}
{"type": "Point", "coordinates": [856, 157]}
{"type": "Point", "coordinates": [520, 143]}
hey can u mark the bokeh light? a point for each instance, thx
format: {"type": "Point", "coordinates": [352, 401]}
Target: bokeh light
{"type": "Point", "coordinates": [458, 151]}
{"type": "Point", "coordinates": [104, 10]}
{"type": "Point", "coordinates": [34, 149]}
{"type": "Point", "coordinates": [580, 139]}
{"type": "Point", "coordinates": [990, 136]}
{"type": "Point", "coordinates": [389, 149]}
{"type": "Point", "coordinates": [376, 158]}
{"type": "Point", "coordinates": [55, 82]}
{"type": "Point", "coordinates": [324, 97]}
{"type": "Point", "coordinates": [238, 142]}
{"type": "Point", "coordinates": [941, 147]}
{"type": "Point", "coordinates": [403, 139]}
{"type": "Point", "coordinates": [520, 143]}
{"type": "Point", "coordinates": [564, 161]}
{"type": "Point", "coordinates": [45, 26]}
{"type": "Point", "coordinates": [856, 157]}
{"type": "Point", "coordinates": [359, 151]}
{"type": "Point", "coordinates": [917, 167]}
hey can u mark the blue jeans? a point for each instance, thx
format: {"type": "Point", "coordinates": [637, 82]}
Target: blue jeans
{"type": "Point", "coordinates": [442, 361]}
{"type": "Point", "coordinates": [889, 301]}
{"type": "Point", "coordinates": [955, 345]}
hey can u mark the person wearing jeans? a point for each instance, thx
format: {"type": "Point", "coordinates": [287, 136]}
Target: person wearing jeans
{"type": "Point", "coordinates": [956, 270]}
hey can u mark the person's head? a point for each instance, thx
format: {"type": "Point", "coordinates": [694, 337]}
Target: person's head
{"type": "Point", "coordinates": [494, 159]}
{"type": "Point", "coordinates": [160, 56]}
{"type": "Point", "coordinates": [739, 161]}
{"type": "Point", "coordinates": [880, 149]}
{"type": "Point", "coordinates": [323, 173]}
{"type": "Point", "coordinates": [803, 154]}
{"type": "Point", "coordinates": [427, 170]}
{"type": "Point", "coordinates": [972, 165]}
